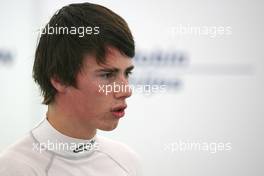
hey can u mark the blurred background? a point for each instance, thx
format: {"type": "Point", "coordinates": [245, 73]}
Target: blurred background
{"type": "Point", "coordinates": [208, 54]}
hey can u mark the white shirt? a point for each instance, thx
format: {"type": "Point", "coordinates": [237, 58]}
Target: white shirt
{"type": "Point", "coordinates": [47, 152]}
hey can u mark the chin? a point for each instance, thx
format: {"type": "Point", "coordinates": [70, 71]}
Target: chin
{"type": "Point", "coordinates": [109, 127]}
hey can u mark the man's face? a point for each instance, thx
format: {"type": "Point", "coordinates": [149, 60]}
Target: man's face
{"type": "Point", "coordinates": [93, 103]}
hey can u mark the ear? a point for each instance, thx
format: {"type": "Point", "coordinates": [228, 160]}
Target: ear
{"type": "Point", "coordinates": [58, 85]}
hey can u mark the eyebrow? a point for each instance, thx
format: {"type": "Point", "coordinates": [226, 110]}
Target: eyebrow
{"type": "Point", "coordinates": [114, 69]}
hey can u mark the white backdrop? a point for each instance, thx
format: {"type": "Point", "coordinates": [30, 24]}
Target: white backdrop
{"type": "Point", "coordinates": [219, 100]}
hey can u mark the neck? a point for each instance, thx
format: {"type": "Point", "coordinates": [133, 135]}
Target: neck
{"type": "Point", "coordinates": [67, 124]}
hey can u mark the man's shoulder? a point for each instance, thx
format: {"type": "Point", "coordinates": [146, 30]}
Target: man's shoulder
{"type": "Point", "coordinates": [25, 147]}
{"type": "Point", "coordinates": [17, 149]}
{"type": "Point", "coordinates": [15, 167]}
{"type": "Point", "coordinates": [20, 158]}
{"type": "Point", "coordinates": [121, 153]}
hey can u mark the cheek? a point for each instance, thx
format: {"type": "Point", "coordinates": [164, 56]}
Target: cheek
{"type": "Point", "coordinates": [95, 96]}
{"type": "Point", "coordinates": [95, 104]}
{"type": "Point", "coordinates": [103, 89]}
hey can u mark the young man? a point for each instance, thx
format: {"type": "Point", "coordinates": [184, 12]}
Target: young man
{"type": "Point", "coordinates": [83, 51]}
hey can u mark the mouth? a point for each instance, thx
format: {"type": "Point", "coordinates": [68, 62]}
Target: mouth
{"type": "Point", "coordinates": [119, 111]}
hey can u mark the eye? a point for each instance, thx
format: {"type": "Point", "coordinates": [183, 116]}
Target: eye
{"type": "Point", "coordinates": [128, 73]}
{"type": "Point", "coordinates": [107, 75]}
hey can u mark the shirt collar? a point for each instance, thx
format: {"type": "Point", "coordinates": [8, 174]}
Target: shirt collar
{"type": "Point", "coordinates": [49, 139]}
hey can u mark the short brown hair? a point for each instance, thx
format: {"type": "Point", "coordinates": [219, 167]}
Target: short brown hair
{"type": "Point", "coordinates": [61, 55]}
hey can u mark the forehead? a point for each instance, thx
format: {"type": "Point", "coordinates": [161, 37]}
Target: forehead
{"type": "Point", "coordinates": [113, 58]}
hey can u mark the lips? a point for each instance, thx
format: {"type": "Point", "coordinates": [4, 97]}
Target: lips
{"type": "Point", "coordinates": [119, 111]}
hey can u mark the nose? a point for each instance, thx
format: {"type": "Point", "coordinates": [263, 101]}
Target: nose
{"type": "Point", "coordinates": [123, 89]}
